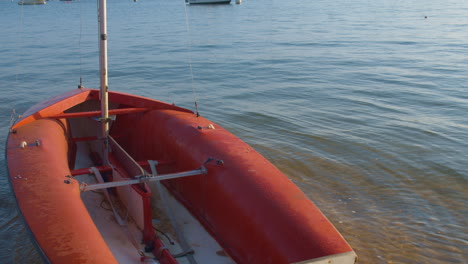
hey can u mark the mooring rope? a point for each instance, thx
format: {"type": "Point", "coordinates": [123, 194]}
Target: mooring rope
{"type": "Point", "coordinates": [13, 118]}
{"type": "Point", "coordinates": [187, 29]}
{"type": "Point", "coordinates": [79, 46]}
{"type": "Point", "coordinates": [19, 44]}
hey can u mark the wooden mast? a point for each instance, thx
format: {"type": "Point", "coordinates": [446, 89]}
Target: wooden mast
{"type": "Point", "coordinates": [102, 21]}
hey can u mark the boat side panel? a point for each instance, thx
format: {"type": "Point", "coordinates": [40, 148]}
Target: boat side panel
{"type": "Point", "coordinates": [52, 209]}
{"type": "Point", "coordinates": [251, 208]}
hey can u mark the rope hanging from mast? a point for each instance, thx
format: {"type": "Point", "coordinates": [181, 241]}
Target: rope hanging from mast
{"type": "Point", "coordinates": [187, 29]}
{"type": "Point", "coordinates": [79, 48]}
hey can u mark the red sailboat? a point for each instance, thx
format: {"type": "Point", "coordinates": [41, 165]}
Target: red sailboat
{"type": "Point", "coordinates": [108, 177]}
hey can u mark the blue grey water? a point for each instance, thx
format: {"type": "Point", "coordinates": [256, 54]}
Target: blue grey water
{"type": "Point", "coordinates": [363, 104]}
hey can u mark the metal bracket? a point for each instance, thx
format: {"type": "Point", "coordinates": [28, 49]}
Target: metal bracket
{"type": "Point", "coordinates": [141, 179]}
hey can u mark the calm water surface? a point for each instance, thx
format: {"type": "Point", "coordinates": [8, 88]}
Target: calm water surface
{"type": "Point", "coordinates": [363, 104]}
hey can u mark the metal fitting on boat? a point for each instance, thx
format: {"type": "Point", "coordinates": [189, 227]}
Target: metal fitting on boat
{"type": "Point", "coordinates": [210, 126]}
{"type": "Point", "coordinates": [218, 161]}
{"type": "Point", "coordinates": [68, 180]}
{"type": "Point", "coordinates": [25, 144]}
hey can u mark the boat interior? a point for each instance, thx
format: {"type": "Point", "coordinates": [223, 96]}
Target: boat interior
{"type": "Point", "coordinates": [142, 221]}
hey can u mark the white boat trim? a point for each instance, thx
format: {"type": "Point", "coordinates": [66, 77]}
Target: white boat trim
{"type": "Point", "coordinates": [342, 258]}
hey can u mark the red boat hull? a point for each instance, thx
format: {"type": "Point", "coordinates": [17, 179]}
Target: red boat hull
{"type": "Point", "coordinates": [252, 209]}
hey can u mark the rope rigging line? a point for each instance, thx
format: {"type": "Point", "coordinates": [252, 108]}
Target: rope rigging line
{"type": "Point", "coordinates": [79, 46]}
{"type": "Point", "coordinates": [18, 53]}
{"type": "Point", "coordinates": [19, 44]}
{"type": "Point", "coordinates": [187, 29]}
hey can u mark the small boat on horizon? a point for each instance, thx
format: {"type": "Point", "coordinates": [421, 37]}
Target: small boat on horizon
{"type": "Point", "coordinates": [209, 1]}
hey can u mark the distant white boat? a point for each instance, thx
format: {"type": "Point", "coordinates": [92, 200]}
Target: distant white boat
{"type": "Point", "coordinates": [209, 1]}
{"type": "Point", "coordinates": [32, 2]}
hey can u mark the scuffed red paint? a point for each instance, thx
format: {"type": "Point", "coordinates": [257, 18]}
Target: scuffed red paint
{"type": "Point", "coordinates": [52, 209]}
